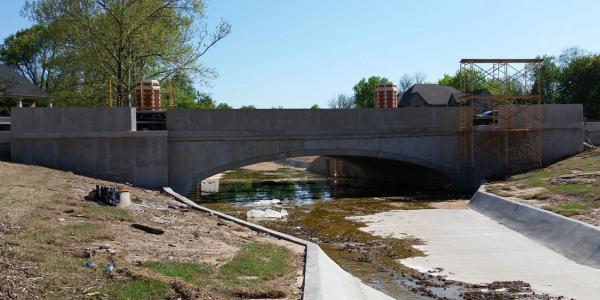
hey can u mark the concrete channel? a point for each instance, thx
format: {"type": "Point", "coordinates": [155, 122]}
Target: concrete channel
{"type": "Point", "coordinates": [575, 240]}
{"type": "Point", "coordinates": [323, 278]}
{"type": "Point", "coordinates": [495, 239]}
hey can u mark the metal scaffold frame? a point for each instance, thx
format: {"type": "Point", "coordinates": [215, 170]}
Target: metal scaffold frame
{"type": "Point", "coordinates": [509, 139]}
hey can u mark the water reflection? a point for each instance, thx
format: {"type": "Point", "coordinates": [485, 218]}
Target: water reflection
{"type": "Point", "coordinates": [302, 191]}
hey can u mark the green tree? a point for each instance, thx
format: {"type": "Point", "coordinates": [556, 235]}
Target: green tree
{"type": "Point", "coordinates": [205, 101]}
{"type": "Point", "coordinates": [466, 80]}
{"type": "Point", "coordinates": [224, 105]}
{"type": "Point", "coordinates": [248, 107]}
{"type": "Point", "coordinates": [29, 52]}
{"type": "Point", "coordinates": [315, 106]}
{"type": "Point", "coordinates": [580, 83]}
{"type": "Point", "coordinates": [549, 75]}
{"type": "Point", "coordinates": [364, 91]}
{"type": "Point", "coordinates": [184, 93]}
{"type": "Point", "coordinates": [453, 81]}
{"type": "Point", "coordinates": [125, 41]}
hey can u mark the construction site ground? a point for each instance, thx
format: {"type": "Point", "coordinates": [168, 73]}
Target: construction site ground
{"type": "Point", "coordinates": [570, 187]}
{"type": "Point", "coordinates": [48, 231]}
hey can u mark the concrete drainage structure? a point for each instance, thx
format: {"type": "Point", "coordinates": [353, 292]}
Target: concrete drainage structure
{"type": "Point", "coordinates": [422, 143]}
{"type": "Point", "coordinates": [575, 240]}
{"type": "Point", "coordinates": [323, 278]}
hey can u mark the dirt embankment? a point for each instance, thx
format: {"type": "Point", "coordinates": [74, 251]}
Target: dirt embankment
{"type": "Point", "coordinates": [48, 231]}
{"type": "Point", "coordinates": [570, 187]}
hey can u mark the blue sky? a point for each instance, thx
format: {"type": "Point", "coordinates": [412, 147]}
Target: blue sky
{"type": "Point", "coordinates": [298, 53]}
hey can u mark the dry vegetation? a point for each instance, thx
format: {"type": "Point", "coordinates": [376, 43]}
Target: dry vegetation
{"type": "Point", "coordinates": [570, 187]}
{"type": "Point", "coordinates": [48, 231]}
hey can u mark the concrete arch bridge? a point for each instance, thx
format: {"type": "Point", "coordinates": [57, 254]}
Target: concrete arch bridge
{"type": "Point", "coordinates": [416, 144]}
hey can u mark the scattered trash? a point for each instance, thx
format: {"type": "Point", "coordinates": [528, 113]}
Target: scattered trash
{"type": "Point", "coordinates": [265, 202]}
{"type": "Point", "coordinates": [105, 195]}
{"type": "Point", "coordinates": [148, 229]}
{"type": "Point", "coordinates": [61, 219]}
{"type": "Point", "coordinates": [90, 264]}
{"type": "Point", "coordinates": [109, 268]}
{"type": "Point", "coordinates": [267, 214]}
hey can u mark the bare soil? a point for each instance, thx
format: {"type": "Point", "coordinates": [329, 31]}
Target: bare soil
{"type": "Point", "coordinates": [48, 229]}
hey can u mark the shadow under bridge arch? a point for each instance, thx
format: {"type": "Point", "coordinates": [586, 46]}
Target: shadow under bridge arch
{"type": "Point", "coordinates": [357, 163]}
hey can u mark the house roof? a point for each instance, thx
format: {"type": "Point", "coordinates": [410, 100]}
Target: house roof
{"type": "Point", "coordinates": [433, 94]}
{"type": "Point", "coordinates": [17, 86]}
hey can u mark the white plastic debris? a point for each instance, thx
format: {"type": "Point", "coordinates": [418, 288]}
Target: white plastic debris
{"type": "Point", "coordinates": [266, 214]}
{"type": "Point", "coordinates": [265, 202]}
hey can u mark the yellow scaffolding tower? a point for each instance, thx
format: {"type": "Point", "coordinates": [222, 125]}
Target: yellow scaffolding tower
{"type": "Point", "coordinates": [500, 118]}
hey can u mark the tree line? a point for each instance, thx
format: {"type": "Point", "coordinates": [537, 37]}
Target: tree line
{"type": "Point", "coordinates": [77, 49]}
{"type": "Point", "coordinates": [573, 77]}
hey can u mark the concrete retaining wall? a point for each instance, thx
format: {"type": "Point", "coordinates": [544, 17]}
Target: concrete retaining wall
{"type": "Point", "coordinates": [323, 278]}
{"type": "Point", "coordinates": [5, 138]}
{"type": "Point", "coordinates": [592, 132]}
{"type": "Point", "coordinates": [573, 239]}
{"type": "Point", "coordinates": [97, 142]}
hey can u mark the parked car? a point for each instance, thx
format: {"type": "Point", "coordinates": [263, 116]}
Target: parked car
{"type": "Point", "coordinates": [485, 118]}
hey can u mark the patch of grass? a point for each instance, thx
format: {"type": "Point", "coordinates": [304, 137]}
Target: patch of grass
{"type": "Point", "coordinates": [568, 209]}
{"type": "Point", "coordinates": [262, 260]}
{"type": "Point", "coordinates": [190, 272]}
{"type": "Point", "coordinates": [68, 234]}
{"type": "Point", "coordinates": [102, 212]}
{"type": "Point", "coordinates": [538, 179]}
{"type": "Point", "coordinates": [576, 189]}
{"type": "Point", "coordinates": [140, 290]}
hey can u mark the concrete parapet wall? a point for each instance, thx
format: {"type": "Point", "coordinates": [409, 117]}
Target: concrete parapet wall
{"type": "Point", "coordinates": [71, 119]}
{"type": "Point", "coordinates": [573, 239]}
{"type": "Point", "coordinates": [310, 121]}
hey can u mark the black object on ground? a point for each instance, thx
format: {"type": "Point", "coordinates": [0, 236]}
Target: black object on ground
{"type": "Point", "coordinates": [105, 195]}
{"type": "Point", "coordinates": [148, 229]}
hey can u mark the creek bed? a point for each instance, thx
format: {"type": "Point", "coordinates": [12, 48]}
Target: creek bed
{"type": "Point", "coordinates": [318, 208]}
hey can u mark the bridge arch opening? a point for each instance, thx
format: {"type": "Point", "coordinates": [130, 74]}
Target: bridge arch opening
{"type": "Point", "coordinates": [388, 168]}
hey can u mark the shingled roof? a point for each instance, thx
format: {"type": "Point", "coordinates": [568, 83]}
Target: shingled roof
{"type": "Point", "coordinates": [433, 94]}
{"type": "Point", "coordinates": [16, 86]}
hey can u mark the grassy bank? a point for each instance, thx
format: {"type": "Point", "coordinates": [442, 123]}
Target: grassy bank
{"type": "Point", "coordinates": [570, 187]}
{"type": "Point", "coordinates": [49, 231]}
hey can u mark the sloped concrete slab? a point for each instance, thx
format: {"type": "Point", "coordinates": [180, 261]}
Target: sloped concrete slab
{"type": "Point", "coordinates": [471, 247]}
